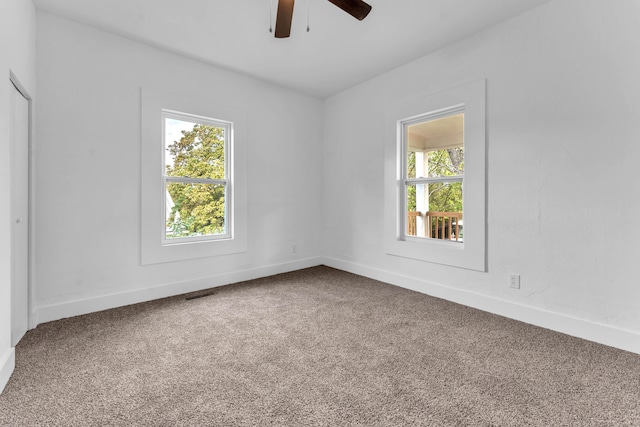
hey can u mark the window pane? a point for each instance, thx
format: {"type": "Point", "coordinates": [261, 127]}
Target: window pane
{"type": "Point", "coordinates": [195, 210]}
{"type": "Point", "coordinates": [432, 208]}
{"type": "Point", "coordinates": [449, 162]}
{"type": "Point", "coordinates": [411, 164]}
{"type": "Point", "coordinates": [435, 147]}
{"type": "Point", "coordinates": [194, 150]}
{"type": "Point", "coordinates": [444, 197]}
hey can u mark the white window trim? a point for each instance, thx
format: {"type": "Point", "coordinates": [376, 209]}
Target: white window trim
{"type": "Point", "coordinates": [470, 254]}
{"type": "Point", "coordinates": [154, 247]}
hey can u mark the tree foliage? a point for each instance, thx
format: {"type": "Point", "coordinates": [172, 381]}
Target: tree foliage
{"type": "Point", "coordinates": [446, 196]}
{"type": "Point", "coordinates": [442, 196]}
{"type": "Point", "coordinates": [198, 209]}
{"type": "Point", "coordinates": [411, 190]}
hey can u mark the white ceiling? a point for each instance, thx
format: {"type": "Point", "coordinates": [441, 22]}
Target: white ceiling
{"type": "Point", "coordinates": [337, 53]}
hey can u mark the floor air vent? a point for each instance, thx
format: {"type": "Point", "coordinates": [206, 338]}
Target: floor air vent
{"type": "Point", "coordinates": [200, 295]}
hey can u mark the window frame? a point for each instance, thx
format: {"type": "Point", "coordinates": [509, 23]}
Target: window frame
{"type": "Point", "coordinates": [227, 182]}
{"type": "Point", "coordinates": [154, 247]}
{"type": "Point", "coordinates": [471, 253]}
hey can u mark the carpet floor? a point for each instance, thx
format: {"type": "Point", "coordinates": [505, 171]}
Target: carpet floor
{"type": "Point", "coordinates": [316, 347]}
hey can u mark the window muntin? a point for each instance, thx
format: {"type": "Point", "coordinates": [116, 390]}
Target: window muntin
{"type": "Point", "coordinates": [433, 171]}
{"type": "Point", "coordinates": [196, 179]}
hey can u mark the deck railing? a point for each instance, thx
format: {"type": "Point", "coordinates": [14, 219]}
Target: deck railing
{"type": "Point", "coordinates": [412, 227]}
{"type": "Point", "coordinates": [439, 225]}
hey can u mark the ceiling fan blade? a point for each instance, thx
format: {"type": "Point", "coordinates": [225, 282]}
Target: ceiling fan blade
{"type": "Point", "coordinates": [356, 8]}
{"type": "Point", "coordinates": [283, 18]}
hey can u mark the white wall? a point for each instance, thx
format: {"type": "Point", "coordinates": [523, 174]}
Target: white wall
{"type": "Point", "coordinates": [563, 132]}
{"type": "Point", "coordinates": [88, 171]}
{"type": "Point", "coordinates": [17, 54]}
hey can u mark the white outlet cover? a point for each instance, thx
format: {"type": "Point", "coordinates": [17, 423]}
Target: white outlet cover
{"type": "Point", "coordinates": [514, 281]}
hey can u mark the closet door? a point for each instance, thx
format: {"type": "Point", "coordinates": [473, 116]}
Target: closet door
{"type": "Point", "coordinates": [19, 146]}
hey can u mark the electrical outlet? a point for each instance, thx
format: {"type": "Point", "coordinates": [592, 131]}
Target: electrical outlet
{"type": "Point", "coordinates": [514, 281]}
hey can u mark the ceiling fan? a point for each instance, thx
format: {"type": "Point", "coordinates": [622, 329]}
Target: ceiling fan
{"type": "Point", "coordinates": [356, 8]}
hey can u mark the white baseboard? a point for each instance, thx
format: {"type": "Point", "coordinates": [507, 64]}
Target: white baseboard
{"type": "Point", "coordinates": [591, 331]}
{"type": "Point", "coordinates": [52, 312]}
{"type": "Point", "coordinates": [597, 332]}
{"type": "Point", "coordinates": [7, 365]}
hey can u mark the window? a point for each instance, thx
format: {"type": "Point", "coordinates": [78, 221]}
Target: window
{"type": "Point", "coordinates": [193, 183]}
{"type": "Point", "coordinates": [435, 187]}
{"type": "Point", "coordinates": [433, 173]}
{"type": "Point", "coordinates": [196, 180]}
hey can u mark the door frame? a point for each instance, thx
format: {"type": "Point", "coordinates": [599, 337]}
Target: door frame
{"type": "Point", "coordinates": [31, 315]}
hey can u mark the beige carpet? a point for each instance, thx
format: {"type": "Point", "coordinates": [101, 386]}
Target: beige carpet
{"type": "Point", "coordinates": [318, 347]}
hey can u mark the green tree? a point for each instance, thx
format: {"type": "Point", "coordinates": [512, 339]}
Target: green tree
{"type": "Point", "coordinates": [199, 209]}
{"type": "Point", "coordinates": [446, 196]}
{"type": "Point", "coordinates": [411, 173]}
{"type": "Point", "coordinates": [443, 197]}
